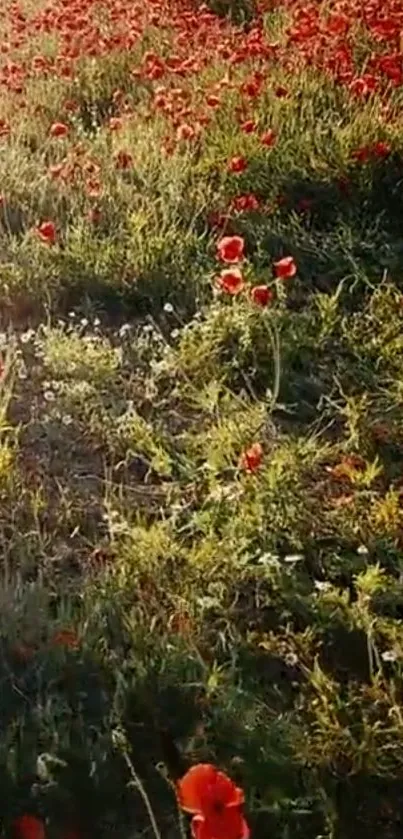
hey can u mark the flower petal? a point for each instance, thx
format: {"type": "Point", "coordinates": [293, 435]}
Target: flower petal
{"type": "Point", "coordinates": [29, 827]}
{"type": "Point", "coordinates": [228, 825]}
{"type": "Point", "coordinates": [192, 787]}
{"type": "Point", "coordinates": [203, 787]}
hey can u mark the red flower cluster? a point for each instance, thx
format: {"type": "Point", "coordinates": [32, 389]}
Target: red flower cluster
{"type": "Point", "coordinates": [214, 802]}
{"type": "Point", "coordinates": [326, 37]}
{"type": "Point", "coordinates": [245, 203]}
{"type": "Point", "coordinates": [230, 249]}
{"type": "Point", "coordinates": [317, 34]}
{"type": "Point", "coordinates": [379, 150]}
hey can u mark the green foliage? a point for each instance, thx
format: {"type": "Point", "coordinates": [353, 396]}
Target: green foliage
{"type": "Point", "coordinates": [150, 583]}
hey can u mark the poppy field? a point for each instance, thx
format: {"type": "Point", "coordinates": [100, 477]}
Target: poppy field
{"type": "Point", "coordinates": [201, 437]}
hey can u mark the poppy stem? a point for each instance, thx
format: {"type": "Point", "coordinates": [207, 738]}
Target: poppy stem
{"type": "Point", "coordinates": [181, 818]}
{"type": "Point", "coordinates": [121, 743]}
{"type": "Point", "coordinates": [182, 825]}
{"type": "Point", "coordinates": [271, 404]}
{"type": "Point", "coordinates": [275, 344]}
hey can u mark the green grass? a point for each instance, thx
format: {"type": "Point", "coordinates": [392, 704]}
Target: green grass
{"type": "Point", "coordinates": [248, 620]}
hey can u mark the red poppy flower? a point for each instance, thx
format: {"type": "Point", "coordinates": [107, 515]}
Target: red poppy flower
{"type": "Point", "coordinates": [115, 123]}
{"type": "Point", "coordinates": [59, 129]}
{"type": "Point", "coordinates": [94, 215]}
{"type": "Point", "coordinates": [28, 827]}
{"type": "Point", "coordinates": [56, 169]}
{"type": "Point", "coordinates": [237, 164]}
{"type": "Point", "coordinates": [215, 803]}
{"type": "Point", "coordinates": [251, 88]}
{"type": "Point", "coordinates": [47, 232]}
{"type": "Point", "coordinates": [66, 638]}
{"type": "Point", "coordinates": [123, 160]}
{"type": "Point", "coordinates": [362, 155]}
{"type": "Point", "coordinates": [185, 132]}
{"type": "Point", "coordinates": [93, 188]}
{"type": "Point", "coordinates": [348, 468]}
{"type": "Point", "coordinates": [248, 126]}
{"type": "Point", "coordinates": [251, 458]}
{"type": "Point", "coordinates": [285, 268]}
{"type": "Point", "coordinates": [4, 128]}
{"type": "Point", "coordinates": [213, 101]}
{"type": "Point", "coordinates": [231, 249]}
{"type": "Point", "coordinates": [381, 149]}
{"type": "Point", "coordinates": [261, 295]}
{"type": "Point", "coordinates": [245, 202]}
{"type": "Point", "coordinates": [204, 787]}
{"type": "Point", "coordinates": [160, 101]}
{"type": "Point", "coordinates": [181, 623]}
{"type": "Point", "coordinates": [268, 138]}
{"type": "Point", "coordinates": [364, 85]}
{"type": "Point", "coordinates": [71, 106]}
{"type": "Point", "coordinates": [231, 281]}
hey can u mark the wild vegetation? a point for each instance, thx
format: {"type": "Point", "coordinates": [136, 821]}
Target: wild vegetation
{"type": "Point", "coordinates": [201, 394]}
